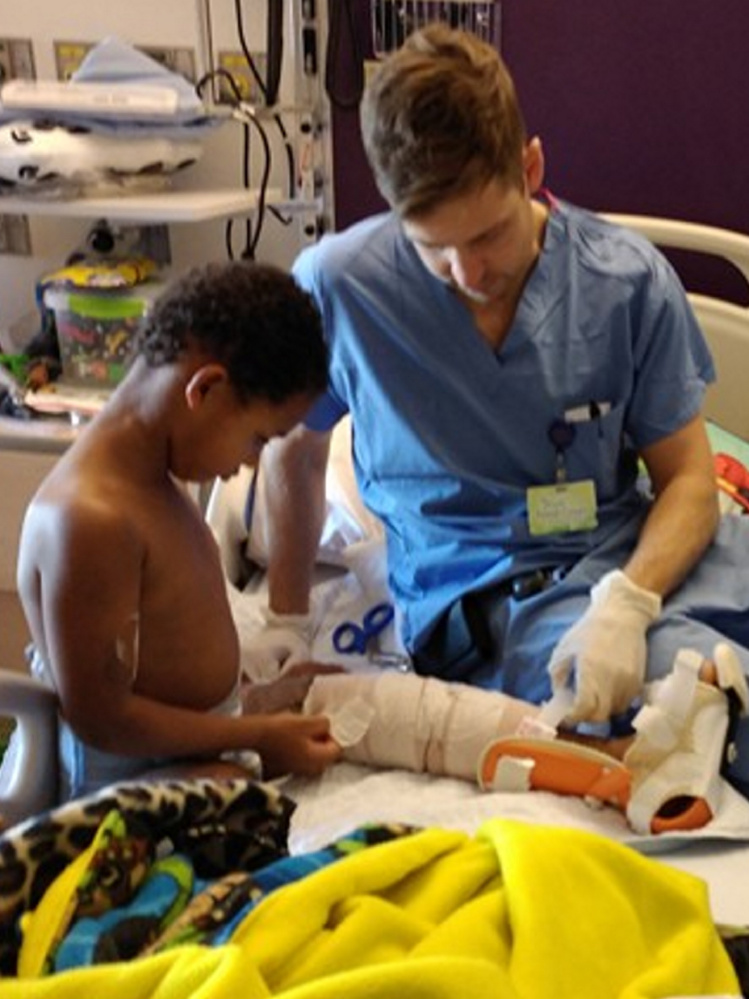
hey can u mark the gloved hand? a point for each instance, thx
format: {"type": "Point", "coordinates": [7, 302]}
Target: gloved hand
{"type": "Point", "coordinates": [603, 656]}
{"type": "Point", "coordinates": [285, 639]}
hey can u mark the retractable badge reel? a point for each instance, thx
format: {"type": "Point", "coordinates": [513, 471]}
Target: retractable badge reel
{"type": "Point", "coordinates": [562, 436]}
{"type": "Point", "coordinates": [564, 506]}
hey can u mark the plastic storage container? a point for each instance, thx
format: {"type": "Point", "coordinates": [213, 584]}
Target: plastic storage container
{"type": "Point", "coordinates": [96, 330]}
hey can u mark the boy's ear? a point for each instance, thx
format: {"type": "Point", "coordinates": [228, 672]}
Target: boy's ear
{"type": "Point", "coordinates": [202, 381]}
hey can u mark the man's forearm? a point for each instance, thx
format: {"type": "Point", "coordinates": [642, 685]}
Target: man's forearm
{"type": "Point", "coordinates": [296, 480]}
{"type": "Point", "coordinates": [678, 530]}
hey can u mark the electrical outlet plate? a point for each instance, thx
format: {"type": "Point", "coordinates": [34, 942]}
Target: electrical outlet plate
{"type": "Point", "coordinates": [16, 59]}
{"type": "Point", "coordinates": [178, 60]}
{"type": "Point", "coordinates": [154, 242]}
{"type": "Point", "coordinates": [68, 57]}
{"type": "Point", "coordinates": [14, 235]}
{"type": "Point", "coordinates": [70, 54]}
{"type": "Point", "coordinates": [236, 64]}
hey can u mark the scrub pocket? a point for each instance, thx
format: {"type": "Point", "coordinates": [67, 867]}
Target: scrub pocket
{"type": "Point", "coordinates": [597, 453]}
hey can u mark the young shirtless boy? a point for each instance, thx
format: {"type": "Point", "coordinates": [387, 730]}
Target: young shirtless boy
{"type": "Point", "coordinates": [119, 575]}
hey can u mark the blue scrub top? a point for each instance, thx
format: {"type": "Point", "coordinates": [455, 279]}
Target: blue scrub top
{"type": "Point", "coordinates": [449, 433]}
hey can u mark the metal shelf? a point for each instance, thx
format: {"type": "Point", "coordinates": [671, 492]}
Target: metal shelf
{"type": "Point", "coordinates": [161, 207]}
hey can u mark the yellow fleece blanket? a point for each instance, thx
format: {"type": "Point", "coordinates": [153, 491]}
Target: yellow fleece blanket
{"type": "Point", "coordinates": [519, 911]}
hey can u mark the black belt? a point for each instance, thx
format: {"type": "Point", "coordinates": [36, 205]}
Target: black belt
{"type": "Point", "coordinates": [462, 640]}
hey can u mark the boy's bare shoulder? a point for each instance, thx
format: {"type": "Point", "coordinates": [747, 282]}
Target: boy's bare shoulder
{"type": "Point", "coordinates": [75, 517]}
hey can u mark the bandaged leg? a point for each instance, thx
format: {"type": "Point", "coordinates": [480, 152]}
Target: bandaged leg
{"type": "Point", "coordinates": [669, 778]}
{"type": "Point", "coordinates": [402, 720]}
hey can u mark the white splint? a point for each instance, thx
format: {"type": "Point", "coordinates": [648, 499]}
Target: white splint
{"type": "Point", "coordinates": [670, 778]}
{"type": "Point", "coordinates": [677, 757]}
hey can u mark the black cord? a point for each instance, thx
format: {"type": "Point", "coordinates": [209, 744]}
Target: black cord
{"type": "Point", "coordinates": [264, 90]}
{"type": "Point", "coordinates": [342, 15]}
{"type": "Point", "coordinates": [247, 182]}
{"type": "Point", "coordinates": [246, 49]}
{"type": "Point", "coordinates": [225, 75]}
{"type": "Point", "coordinates": [263, 190]}
{"type": "Point", "coordinates": [247, 120]}
{"type": "Point", "coordinates": [284, 220]}
{"type": "Point", "coordinates": [252, 238]}
{"type": "Point", "coordinates": [274, 49]}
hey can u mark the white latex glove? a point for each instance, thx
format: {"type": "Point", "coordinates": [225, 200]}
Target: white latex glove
{"type": "Point", "coordinates": [603, 656]}
{"type": "Point", "coordinates": [285, 639]}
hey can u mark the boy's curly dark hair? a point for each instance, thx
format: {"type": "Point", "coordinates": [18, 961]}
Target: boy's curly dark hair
{"type": "Point", "coordinates": [252, 318]}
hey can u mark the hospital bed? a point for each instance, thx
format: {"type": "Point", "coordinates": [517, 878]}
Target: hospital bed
{"type": "Point", "coordinates": [351, 578]}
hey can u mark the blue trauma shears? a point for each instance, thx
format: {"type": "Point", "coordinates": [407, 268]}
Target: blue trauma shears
{"type": "Point", "coordinates": [350, 638]}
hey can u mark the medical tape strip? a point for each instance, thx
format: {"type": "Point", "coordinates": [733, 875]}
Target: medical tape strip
{"type": "Point", "coordinates": [670, 701]}
{"type": "Point", "coordinates": [544, 725]}
{"type": "Point", "coordinates": [512, 774]}
{"type": "Point", "coordinates": [350, 723]}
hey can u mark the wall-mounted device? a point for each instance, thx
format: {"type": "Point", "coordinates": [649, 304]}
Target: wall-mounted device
{"type": "Point", "coordinates": [16, 59]}
{"type": "Point", "coordinates": [394, 20]}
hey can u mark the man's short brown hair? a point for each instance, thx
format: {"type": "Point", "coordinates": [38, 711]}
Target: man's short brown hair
{"type": "Point", "coordinates": [440, 117]}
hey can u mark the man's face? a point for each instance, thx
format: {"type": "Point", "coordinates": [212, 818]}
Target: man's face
{"type": "Point", "coordinates": [483, 243]}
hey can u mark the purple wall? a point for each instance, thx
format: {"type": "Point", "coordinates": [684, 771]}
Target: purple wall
{"type": "Point", "coordinates": [642, 107]}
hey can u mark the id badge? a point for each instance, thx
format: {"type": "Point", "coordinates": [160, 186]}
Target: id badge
{"type": "Point", "coordinates": [562, 508]}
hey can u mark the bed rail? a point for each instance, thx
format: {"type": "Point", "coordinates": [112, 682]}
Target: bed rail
{"type": "Point", "coordinates": [725, 324]}
{"type": "Point", "coordinates": [28, 773]}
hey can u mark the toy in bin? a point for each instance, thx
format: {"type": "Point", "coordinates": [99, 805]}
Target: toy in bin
{"type": "Point", "coordinates": [96, 329]}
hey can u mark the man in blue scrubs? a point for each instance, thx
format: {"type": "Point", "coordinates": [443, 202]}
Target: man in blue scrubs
{"type": "Point", "coordinates": [506, 359]}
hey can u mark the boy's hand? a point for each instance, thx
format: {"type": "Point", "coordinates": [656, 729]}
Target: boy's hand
{"type": "Point", "coordinates": [296, 744]}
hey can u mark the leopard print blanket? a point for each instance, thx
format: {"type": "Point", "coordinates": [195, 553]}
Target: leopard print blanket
{"type": "Point", "coordinates": [222, 825]}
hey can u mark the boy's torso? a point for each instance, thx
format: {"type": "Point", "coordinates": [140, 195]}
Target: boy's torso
{"type": "Point", "coordinates": [184, 649]}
